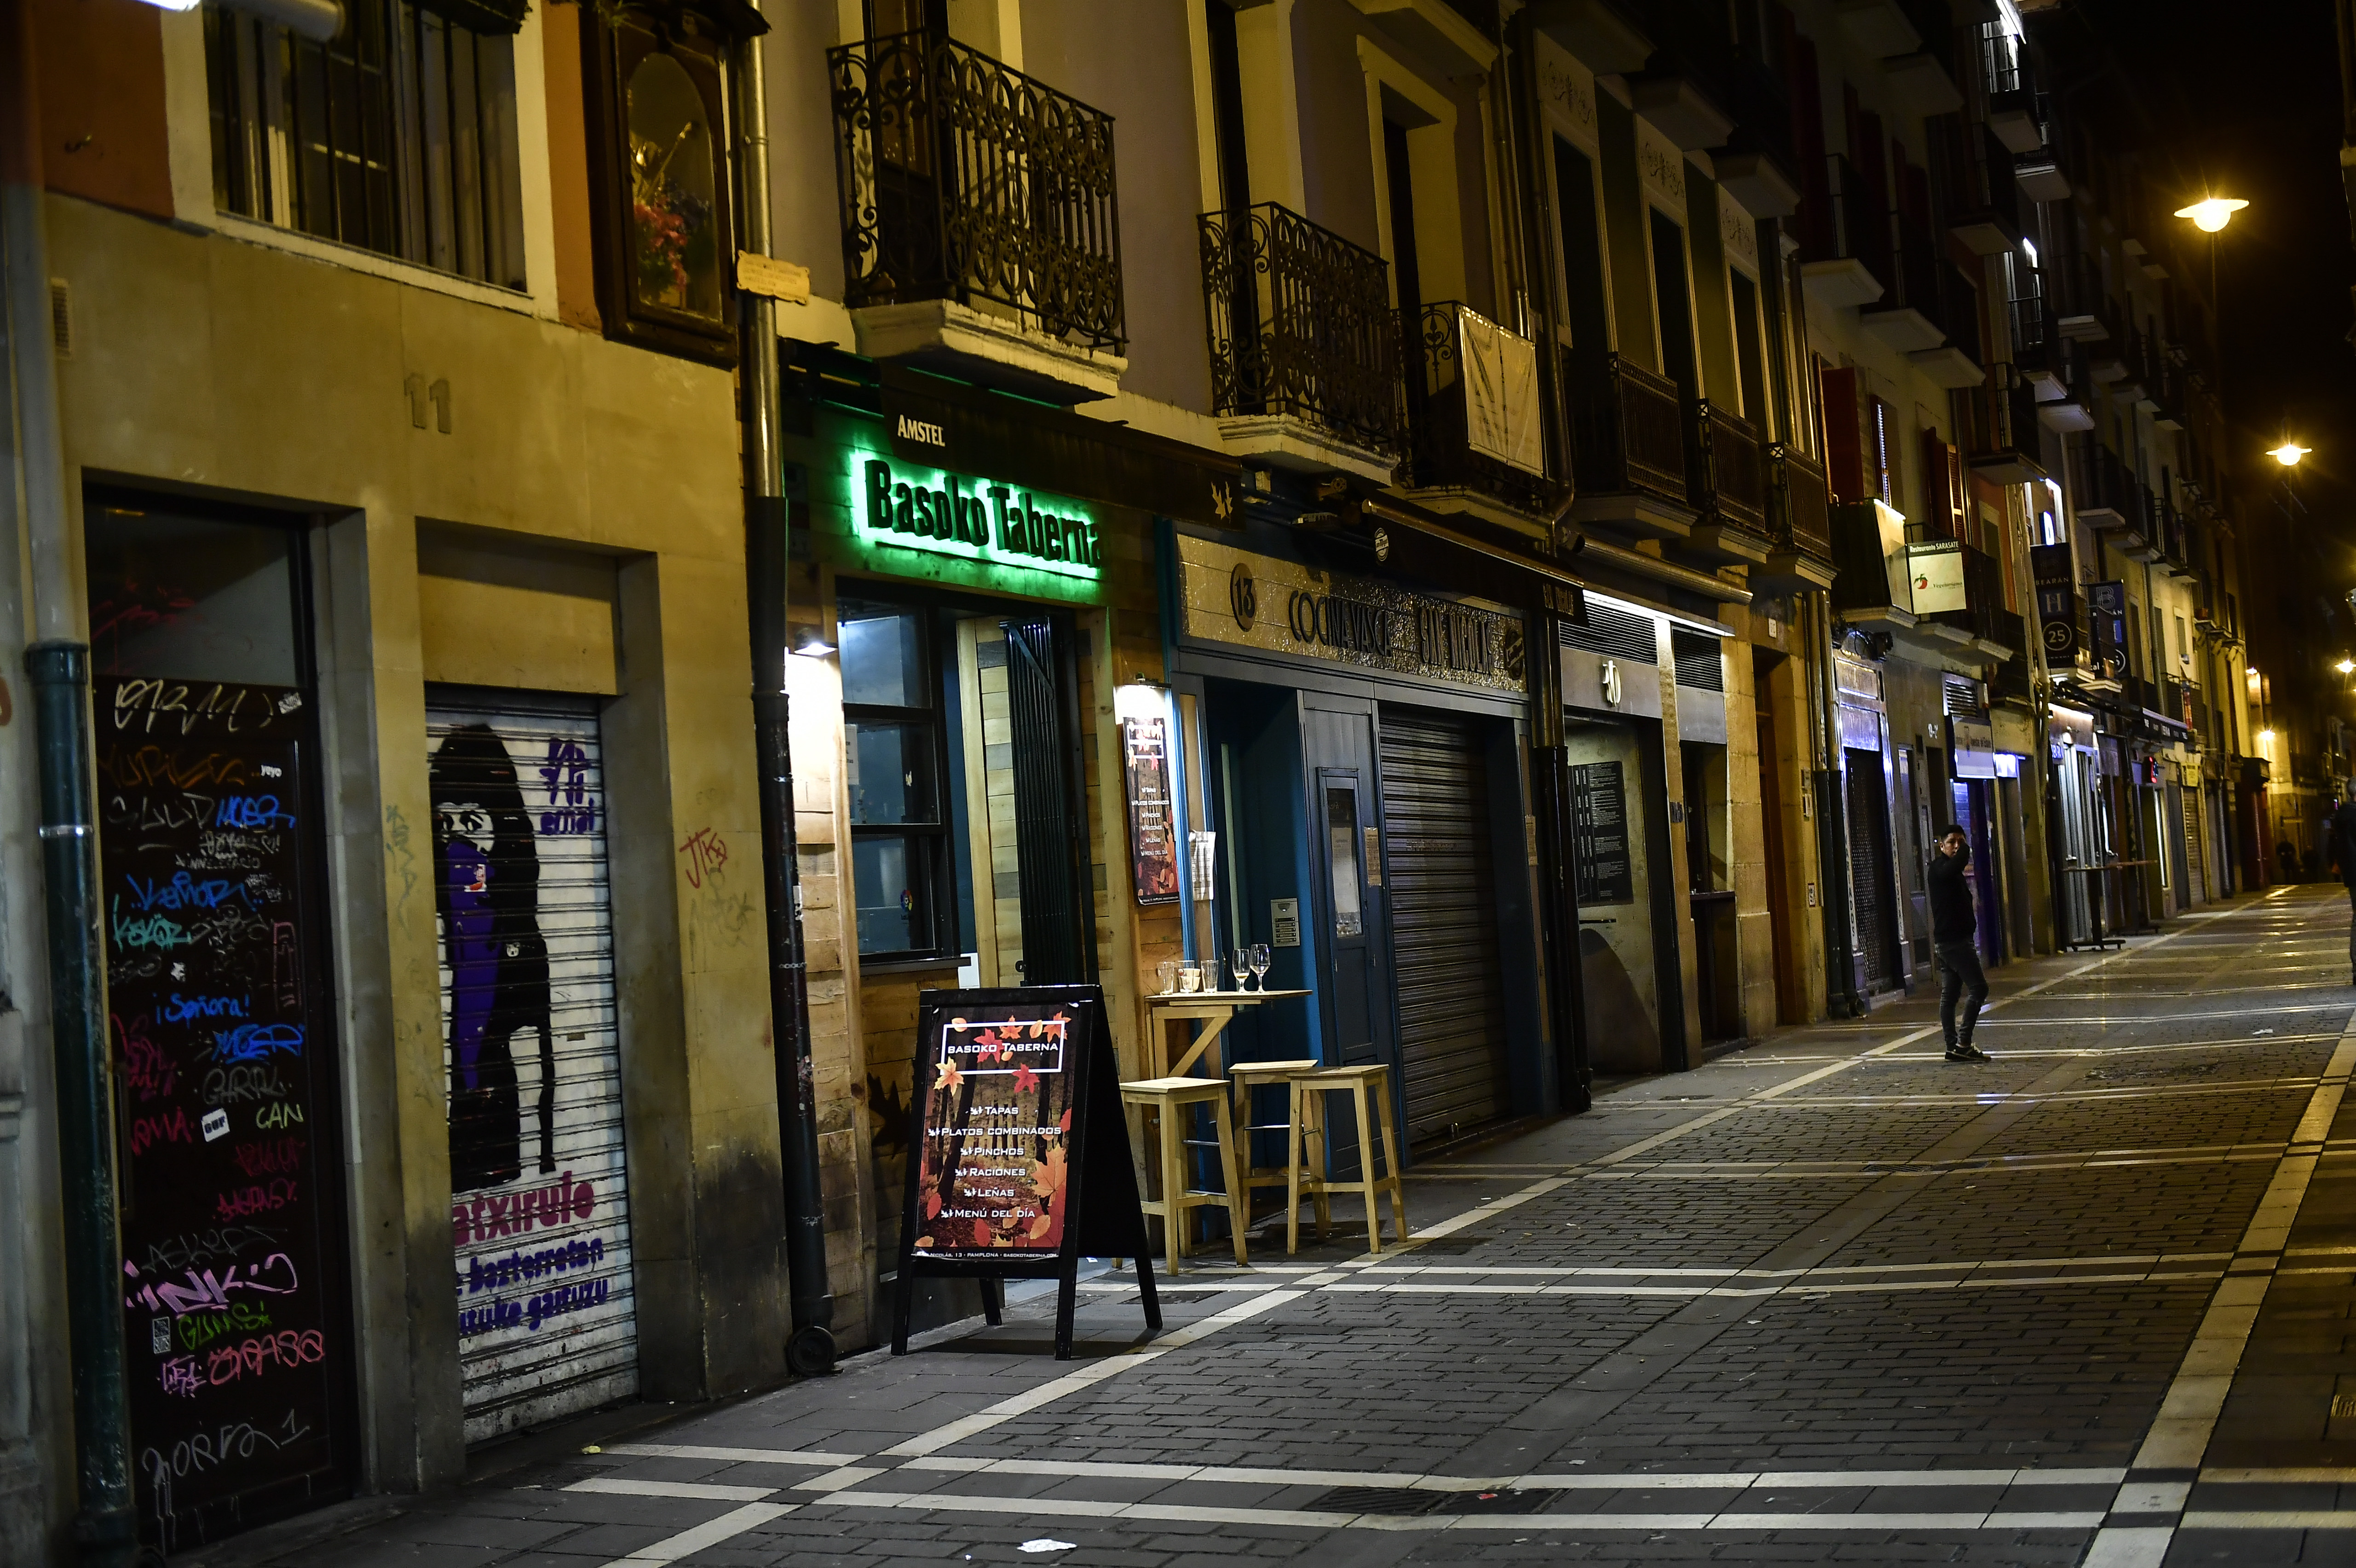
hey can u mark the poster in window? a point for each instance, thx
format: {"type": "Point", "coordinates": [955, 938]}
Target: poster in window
{"type": "Point", "coordinates": [1152, 843]}
{"type": "Point", "coordinates": [1599, 816]}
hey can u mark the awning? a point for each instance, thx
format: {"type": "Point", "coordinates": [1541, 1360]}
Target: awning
{"type": "Point", "coordinates": [1569, 601]}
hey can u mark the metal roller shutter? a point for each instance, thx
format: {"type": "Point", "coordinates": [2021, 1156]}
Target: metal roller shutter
{"type": "Point", "coordinates": [540, 1201]}
{"type": "Point", "coordinates": [1441, 869]}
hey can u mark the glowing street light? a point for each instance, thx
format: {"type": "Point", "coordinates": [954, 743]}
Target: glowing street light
{"type": "Point", "coordinates": [2265, 737]}
{"type": "Point", "coordinates": [2346, 666]}
{"type": "Point", "coordinates": [2211, 213]}
{"type": "Point", "coordinates": [2289, 452]}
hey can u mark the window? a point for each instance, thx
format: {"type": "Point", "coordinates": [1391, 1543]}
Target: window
{"type": "Point", "coordinates": [1749, 358]}
{"type": "Point", "coordinates": [1674, 307]}
{"type": "Point", "coordinates": [894, 742]}
{"type": "Point", "coordinates": [1582, 249]}
{"type": "Point", "coordinates": [660, 171]}
{"type": "Point", "coordinates": [397, 136]}
{"type": "Point", "coordinates": [1342, 853]}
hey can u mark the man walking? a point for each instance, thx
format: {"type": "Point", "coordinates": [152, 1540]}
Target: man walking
{"type": "Point", "coordinates": [1953, 927]}
{"type": "Point", "coordinates": [2342, 837]}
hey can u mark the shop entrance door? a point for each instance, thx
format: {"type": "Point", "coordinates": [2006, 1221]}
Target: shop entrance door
{"type": "Point", "coordinates": [236, 1309]}
{"type": "Point", "coordinates": [1440, 864]}
{"type": "Point", "coordinates": [1869, 870]}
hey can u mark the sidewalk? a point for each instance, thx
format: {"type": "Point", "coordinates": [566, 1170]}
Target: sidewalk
{"type": "Point", "coordinates": [1827, 1295]}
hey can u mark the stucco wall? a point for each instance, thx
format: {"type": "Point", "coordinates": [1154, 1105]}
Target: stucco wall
{"type": "Point", "coordinates": [234, 369]}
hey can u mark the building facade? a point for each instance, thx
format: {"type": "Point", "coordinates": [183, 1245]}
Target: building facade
{"type": "Point", "coordinates": [1533, 515]}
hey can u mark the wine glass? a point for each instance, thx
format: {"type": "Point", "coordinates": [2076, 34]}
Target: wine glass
{"type": "Point", "coordinates": [1168, 971]}
{"type": "Point", "coordinates": [1259, 960]}
{"type": "Point", "coordinates": [1240, 965]}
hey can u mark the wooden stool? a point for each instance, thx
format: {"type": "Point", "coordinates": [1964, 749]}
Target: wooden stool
{"type": "Point", "coordinates": [1247, 1076]}
{"type": "Point", "coordinates": [1170, 1099]}
{"type": "Point", "coordinates": [1309, 1091]}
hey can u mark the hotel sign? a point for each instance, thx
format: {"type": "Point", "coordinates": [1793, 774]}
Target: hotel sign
{"type": "Point", "coordinates": [1279, 606]}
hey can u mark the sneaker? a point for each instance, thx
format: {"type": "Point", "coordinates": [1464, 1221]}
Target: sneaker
{"type": "Point", "coordinates": [1967, 1053]}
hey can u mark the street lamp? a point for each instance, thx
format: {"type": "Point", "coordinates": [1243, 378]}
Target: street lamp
{"type": "Point", "coordinates": [2289, 452]}
{"type": "Point", "coordinates": [2211, 213]}
{"type": "Point", "coordinates": [2346, 666]}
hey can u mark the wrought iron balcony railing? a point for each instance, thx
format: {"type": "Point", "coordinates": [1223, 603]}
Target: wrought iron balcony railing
{"type": "Point", "coordinates": [2000, 426]}
{"type": "Point", "coordinates": [1983, 614]}
{"type": "Point", "coordinates": [1728, 474]}
{"type": "Point", "coordinates": [1472, 410]}
{"type": "Point", "coordinates": [1799, 504]}
{"type": "Point", "coordinates": [964, 180]}
{"type": "Point", "coordinates": [2107, 496]}
{"type": "Point", "coordinates": [1627, 429]}
{"type": "Point", "coordinates": [1846, 219]}
{"type": "Point", "coordinates": [1302, 327]}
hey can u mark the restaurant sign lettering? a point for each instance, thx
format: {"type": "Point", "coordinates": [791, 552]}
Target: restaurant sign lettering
{"type": "Point", "coordinates": [1280, 606]}
{"type": "Point", "coordinates": [944, 514]}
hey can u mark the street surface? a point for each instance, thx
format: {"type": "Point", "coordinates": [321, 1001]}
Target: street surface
{"type": "Point", "coordinates": [1827, 1298]}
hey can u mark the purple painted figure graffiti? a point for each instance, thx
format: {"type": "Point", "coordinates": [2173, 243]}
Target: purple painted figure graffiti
{"type": "Point", "coordinates": [488, 895]}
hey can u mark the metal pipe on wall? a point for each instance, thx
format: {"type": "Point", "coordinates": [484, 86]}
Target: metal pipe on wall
{"type": "Point", "coordinates": [810, 1347]}
{"type": "Point", "coordinates": [105, 1530]}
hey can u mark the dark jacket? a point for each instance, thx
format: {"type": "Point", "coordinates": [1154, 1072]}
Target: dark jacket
{"type": "Point", "coordinates": [2343, 842]}
{"type": "Point", "coordinates": [1952, 919]}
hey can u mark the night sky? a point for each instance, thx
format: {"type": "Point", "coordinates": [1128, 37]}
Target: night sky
{"type": "Point", "coordinates": [2243, 99]}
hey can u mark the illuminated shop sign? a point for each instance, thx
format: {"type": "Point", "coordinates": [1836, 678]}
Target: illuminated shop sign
{"type": "Point", "coordinates": [972, 519]}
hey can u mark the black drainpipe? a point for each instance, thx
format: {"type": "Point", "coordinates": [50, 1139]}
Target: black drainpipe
{"type": "Point", "coordinates": [810, 1349]}
{"type": "Point", "coordinates": [104, 1530]}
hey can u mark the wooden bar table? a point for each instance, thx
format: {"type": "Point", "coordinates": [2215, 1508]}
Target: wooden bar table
{"type": "Point", "coordinates": [1212, 1011]}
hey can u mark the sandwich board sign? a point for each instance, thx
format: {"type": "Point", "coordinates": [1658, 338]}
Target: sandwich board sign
{"type": "Point", "coordinates": [1020, 1164]}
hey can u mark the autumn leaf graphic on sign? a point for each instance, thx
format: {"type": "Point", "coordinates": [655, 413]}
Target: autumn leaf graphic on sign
{"type": "Point", "coordinates": [1048, 1182]}
{"type": "Point", "coordinates": [1063, 1123]}
{"type": "Point", "coordinates": [950, 1077]}
{"type": "Point", "coordinates": [1023, 1077]}
{"type": "Point", "coordinates": [992, 1048]}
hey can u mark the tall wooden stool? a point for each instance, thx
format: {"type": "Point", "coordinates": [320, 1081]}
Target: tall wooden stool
{"type": "Point", "coordinates": [1247, 1076]}
{"type": "Point", "coordinates": [1309, 1091]}
{"type": "Point", "coordinates": [1172, 1099]}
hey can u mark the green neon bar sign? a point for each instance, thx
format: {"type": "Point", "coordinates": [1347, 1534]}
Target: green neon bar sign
{"type": "Point", "coordinates": [950, 516]}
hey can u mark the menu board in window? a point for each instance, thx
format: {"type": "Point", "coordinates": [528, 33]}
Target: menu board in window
{"type": "Point", "coordinates": [1599, 817]}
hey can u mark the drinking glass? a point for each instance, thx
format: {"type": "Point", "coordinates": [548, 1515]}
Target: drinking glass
{"type": "Point", "coordinates": [1190, 976]}
{"type": "Point", "coordinates": [1259, 959]}
{"type": "Point", "coordinates": [1240, 965]}
{"type": "Point", "coordinates": [1168, 970]}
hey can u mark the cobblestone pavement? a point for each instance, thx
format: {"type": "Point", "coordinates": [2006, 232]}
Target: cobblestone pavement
{"type": "Point", "coordinates": [1827, 1298]}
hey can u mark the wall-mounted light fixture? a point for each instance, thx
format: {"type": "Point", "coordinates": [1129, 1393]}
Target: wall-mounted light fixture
{"type": "Point", "coordinates": [810, 643]}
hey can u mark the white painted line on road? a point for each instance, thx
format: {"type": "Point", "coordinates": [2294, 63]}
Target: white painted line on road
{"type": "Point", "coordinates": [2178, 1438]}
{"type": "Point", "coordinates": [2064, 1096]}
{"type": "Point", "coordinates": [701, 1490]}
{"type": "Point", "coordinates": [731, 1455]}
{"type": "Point", "coordinates": [728, 1526]}
{"type": "Point", "coordinates": [1562, 1481]}
{"type": "Point", "coordinates": [1993, 1282]}
{"type": "Point", "coordinates": [2300, 1519]}
{"type": "Point", "coordinates": [1548, 1524]}
{"type": "Point", "coordinates": [1638, 1271]}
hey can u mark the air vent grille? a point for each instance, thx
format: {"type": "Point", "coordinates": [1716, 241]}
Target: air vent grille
{"type": "Point", "coordinates": [1619, 634]}
{"type": "Point", "coordinates": [1698, 664]}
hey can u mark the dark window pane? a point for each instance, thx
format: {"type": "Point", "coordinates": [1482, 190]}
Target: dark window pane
{"type": "Point", "coordinates": [892, 773]}
{"type": "Point", "coordinates": [882, 659]}
{"type": "Point", "coordinates": [1342, 840]}
{"type": "Point", "coordinates": [893, 876]}
{"type": "Point", "coordinates": [191, 597]}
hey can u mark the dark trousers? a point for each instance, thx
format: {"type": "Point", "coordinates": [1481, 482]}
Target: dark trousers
{"type": "Point", "coordinates": [2351, 924]}
{"type": "Point", "coordinates": [1960, 974]}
